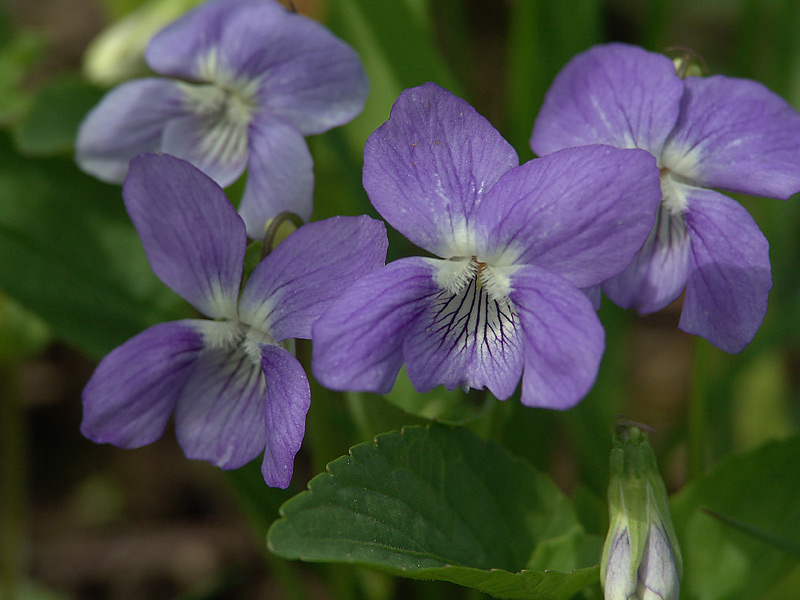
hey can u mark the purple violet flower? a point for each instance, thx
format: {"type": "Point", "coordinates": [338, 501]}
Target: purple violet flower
{"type": "Point", "coordinates": [516, 243]}
{"type": "Point", "coordinates": [244, 81]}
{"type": "Point", "coordinates": [232, 381]}
{"type": "Point", "coordinates": [705, 132]}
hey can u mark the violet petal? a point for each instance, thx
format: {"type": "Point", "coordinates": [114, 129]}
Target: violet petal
{"type": "Point", "coordinates": [307, 271]}
{"type": "Point", "coordinates": [729, 280]}
{"type": "Point", "coordinates": [182, 49]}
{"type": "Point", "coordinates": [429, 166]}
{"type": "Point", "coordinates": [280, 174]}
{"type": "Point", "coordinates": [466, 339]}
{"type": "Point", "coordinates": [213, 143]}
{"type": "Point", "coordinates": [611, 94]}
{"type": "Point", "coordinates": [657, 275]}
{"type": "Point", "coordinates": [128, 120]}
{"type": "Point", "coordinates": [563, 339]}
{"type": "Point", "coordinates": [288, 400]}
{"type": "Point", "coordinates": [580, 212]}
{"type": "Point", "coordinates": [193, 238]}
{"type": "Point", "coordinates": [220, 414]}
{"type": "Point", "coordinates": [133, 391]}
{"type": "Point", "coordinates": [737, 135]}
{"type": "Point", "coordinates": [357, 342]}
{"type": "Point", "coordinates": [307, 75]}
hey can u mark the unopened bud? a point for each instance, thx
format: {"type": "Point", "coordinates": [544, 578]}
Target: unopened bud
{"type": "Point", "coordinates": [641, 558]}
{"type": "Point", "coordinates": [117, 53]}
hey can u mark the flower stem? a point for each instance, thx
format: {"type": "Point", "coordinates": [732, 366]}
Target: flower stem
{"type": "Point", "coordinates": [12, 482]}
{"type": "Point", "coordinates": [698, 410]}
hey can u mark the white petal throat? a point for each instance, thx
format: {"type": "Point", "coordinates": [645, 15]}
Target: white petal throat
{"type": "Point", "coordinates": [473, 308]}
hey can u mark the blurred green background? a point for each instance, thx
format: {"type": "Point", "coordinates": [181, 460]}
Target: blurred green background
{"type": "Point", "coordinates": [88, 522]}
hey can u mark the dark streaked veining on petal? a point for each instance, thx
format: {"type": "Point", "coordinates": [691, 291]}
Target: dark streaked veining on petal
{"type": "Point", "coordinates": [471, 318]}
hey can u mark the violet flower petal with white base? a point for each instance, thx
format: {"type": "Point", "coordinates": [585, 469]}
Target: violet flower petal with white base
{"type": "Point", "coordinates": [563, 339]}
{"type": "Point", "coordinates": [130, 396]}
{"type": "Point", "coordinates": [612, 94]}
{"type": "Point", "coordinates": [288, 400]}
{"type": "Point", "coordinates": [280, 174]}
{"type": "Point", "coordinates": [441, 174]}
{"type": "Point", "coordinates": [358, 340]}
{"type": "Point", "coordinates": [426, 171]}
{"type": "Point", "coordinates": [556, 212]}
{"type": "Point", "coordinates": [657, 275]}
{"type": "Point", "coordinates": [216, 145]}
{"type": "Point", "coordinates": [723, 132]}
{"type": "Point", "coordinates": [727, 288]}
{"type": "Point", "coordinates": [307, 271]}
{"type": "Point", "coordinates": [737, 135]}
{"type": "Point", "coordinates": [227, 377]}
{"type": "Point", "coordinates": [252, 79]}
{"type": "Point", "coordinates": [179, 50]}
{"type": "Point", "coordinates": [467, 337]}
{"type": "Point", "coordinates": [220, 414]}
{"type": "Point", "coordinates": [117, 129]}
{"type": "Point", "coordinates": [192, 236]}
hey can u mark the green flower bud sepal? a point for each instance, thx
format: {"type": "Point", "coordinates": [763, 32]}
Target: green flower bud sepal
{"type": "Point", "coordinates": [641, 558]}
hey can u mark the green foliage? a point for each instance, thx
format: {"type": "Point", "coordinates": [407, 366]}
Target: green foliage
{"type": "Point", "coordinates": [50, 125]}
{"type": "Point", "coordinates": [72, 257]}
{"type": "Point", "coordinates": [439, 503]}
{"type": "Point", "coordinates": [737, 524]}
{"type": "Point", "coordinates": [19, 51]}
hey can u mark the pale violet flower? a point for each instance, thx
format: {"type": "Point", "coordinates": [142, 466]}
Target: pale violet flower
{"type": "Point", "coordinates": [514, 243]}
{"type": "Point", "coordinates": [705, 132]}
{"type": "Point", "coordinates": [243, 81]}
{"type": "Point", "coordinates": [232, 381]}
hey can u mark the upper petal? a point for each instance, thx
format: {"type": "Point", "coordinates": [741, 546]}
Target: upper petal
{"type": "Point", "coordinates": [288, 399]}
{"type": "Point", "coordinates": [429, 166]}
{"type": "Point", "coordinates": [220, 415]}
{"type": "Point", "coordinates": [729, 280]}
{"type": "Point", "coordinates": [131, 394]}
{"type": "Point", "coordinates": [309, 77]}
{"type": "Point", "coordinates": [469, 338]}
{"type": "Point", "coordinates": [612, 94]}
{"type": "Point", "coordinates": [280, 175]}
{"type": "Point", "coordinates": [738, 135]}
{"type": "Point", "coordinates": [579, 212]}
{"type": "Point", "coordinates": [129, 120]}
{"type": "Point", "coordinates": [188, 48]}
{"type": "Point", "coordinates": [193, 238]}
{"type": "Point", "coordinates": [563, 338]}
{"type": "Point", "coordinates": [307, 271]}
{"type": "Point", "coordinates": [357, 342]}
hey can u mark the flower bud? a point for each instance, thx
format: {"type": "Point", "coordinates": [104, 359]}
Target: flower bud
{"type": "Point", "coordinates": [117, 53]}
{"type": "Point", "coordinates": [641, 558]}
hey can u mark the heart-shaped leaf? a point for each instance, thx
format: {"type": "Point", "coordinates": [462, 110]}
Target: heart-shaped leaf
{"type": "Point", "coordinates": [435, 502]}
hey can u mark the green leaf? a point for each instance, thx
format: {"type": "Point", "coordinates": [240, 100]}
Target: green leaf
{"type": "Point", "coordinates": [71, 256]}
{"type": "Point", "coordinates": [790, 546]}
{"type": "Point", "coordinates": [761, 488]}
{"type": "Point", "coordinates": [397, 45]}
{"type": "Point", "coordinates": [50, 125]}
{"type": "Point", "coordinates": [447, 406]}
{"type": "Point", "coordinates": [18, 54]}
{"type": "Point", "coordinates": [437, 502]}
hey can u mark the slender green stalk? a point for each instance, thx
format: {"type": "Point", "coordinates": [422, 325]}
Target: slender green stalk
{"type": "Point", "coordinates": [12, 483]}
{"type": "Point", "coordinates": [698, 410]}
